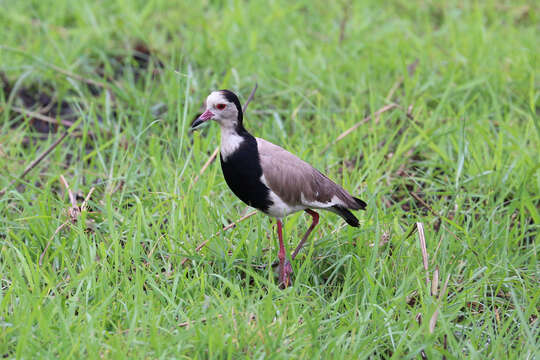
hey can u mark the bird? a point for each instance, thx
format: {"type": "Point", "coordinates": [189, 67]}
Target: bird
{"type": "Point", "coordinates": [270, 178]}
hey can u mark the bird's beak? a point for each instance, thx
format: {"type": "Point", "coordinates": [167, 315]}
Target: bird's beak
{"type": "Point", "coordinates": [207, 115]}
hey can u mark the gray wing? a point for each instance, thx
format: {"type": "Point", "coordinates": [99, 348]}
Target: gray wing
{"type": "Point", "coordinates": [298, 183]}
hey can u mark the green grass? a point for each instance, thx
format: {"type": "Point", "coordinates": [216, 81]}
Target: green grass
{"type": "Point", "coordinates": [112, 285]}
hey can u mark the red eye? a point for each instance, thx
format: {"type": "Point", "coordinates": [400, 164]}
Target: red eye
{"type": "Point", "coordinates": [220, 106]}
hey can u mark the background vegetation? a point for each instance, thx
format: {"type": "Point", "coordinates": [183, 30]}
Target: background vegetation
{"type": "Point", "coordinates": [459, 154]}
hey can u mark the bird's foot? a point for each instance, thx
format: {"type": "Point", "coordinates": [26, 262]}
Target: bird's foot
{"type": "Point", "coordinates": [285, 273]}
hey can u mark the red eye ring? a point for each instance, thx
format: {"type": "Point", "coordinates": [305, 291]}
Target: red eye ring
{"type": "Point", "coordinates": [220, 106]}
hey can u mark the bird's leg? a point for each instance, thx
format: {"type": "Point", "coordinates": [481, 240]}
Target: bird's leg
{"type": "Point", "coordinates": [315, 217]}
{"type": "Point", "coordinates": [285, 269]}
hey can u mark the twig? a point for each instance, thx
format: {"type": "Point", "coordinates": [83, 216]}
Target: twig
{"type": "Point", "coordinates": [230, 226]}
{"type": "Point", "coordinates": [433, 320]}
{"type": "Point", "coordinates": [79, 77]}
{"type": "Point", "coordinates": [43, 155]}
{"type": "Point", "coordinates": [421, 201]}
{"type": "Point", "coordinates": [357, 125]}
{"type": "Point", "coordinates": [250, 97]}
{"type": "Point", "coordinates": [56, 68]}
{"type": "Point", "coordinates": [206, 164]}
{"type": "Point", "coordinates": [42, 117]}
{"type": "Point", "coordinates": [203, 320]}
{"type": "Point", "coordinates": [70, 193]}
{"type": "Point", "coordinates": [50, 120]}
{"type": "Point", "coordinates": [35, 162]}
{"type": "Point", "coordinates": [50, 241]}
{"type": "Point", "coordinates": [87, 198]}
{"type": "Point", "coordinates": [393, 89]}
{"type": "Point", "coordinates": [412, 231]}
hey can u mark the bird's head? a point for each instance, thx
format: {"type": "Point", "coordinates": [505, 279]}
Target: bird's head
{"type": "Point", "coordinates": [222, 106]}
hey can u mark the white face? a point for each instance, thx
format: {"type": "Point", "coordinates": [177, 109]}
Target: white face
{"type": "Point", "coordinates": [224, 112]}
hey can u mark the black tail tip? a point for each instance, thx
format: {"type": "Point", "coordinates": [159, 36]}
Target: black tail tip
{"type": "Point", "coordinates": [362, 204]}
{"type": "Point", "coordinates": [346, 215]}
{"type": "Point", "coordinates": [353, 222]}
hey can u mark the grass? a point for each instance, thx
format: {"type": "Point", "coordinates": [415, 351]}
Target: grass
{"type": "Point", "coordinates": [112, 284]}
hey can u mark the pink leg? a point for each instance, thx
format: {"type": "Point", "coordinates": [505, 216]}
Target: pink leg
{"type": "Point", "coordinates": [284, 266]}
{"type": "Point", "coordinates": [315, 217]}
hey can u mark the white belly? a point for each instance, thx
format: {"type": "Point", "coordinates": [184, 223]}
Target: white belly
{"type": "Point", "coordinates": [280, 209]}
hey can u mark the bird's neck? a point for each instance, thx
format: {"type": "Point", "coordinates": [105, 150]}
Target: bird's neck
{"type": "Point", "coordinates": [231, 139]}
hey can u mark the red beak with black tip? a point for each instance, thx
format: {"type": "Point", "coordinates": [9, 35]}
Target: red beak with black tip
{"type": "Point", "coordinates": [207, 115]}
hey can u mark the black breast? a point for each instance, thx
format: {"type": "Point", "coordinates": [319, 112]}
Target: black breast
{"type": "Point", "coordinates": [242, 171]}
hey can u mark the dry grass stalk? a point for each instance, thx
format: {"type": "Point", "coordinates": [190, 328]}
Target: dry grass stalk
{"type": "Point", "coordinates": [33, 164]}
{"type": "Point", "coordinates": [206, 165]}
{"type": "Point", "coordinates": [422, 239]}
{"type": "Point", "coordinates": [250, 97]}
{"type": "Point", "coordinates": [203, 320]}
{"type": "Point", "coordinates": [358, 124]}
{"type": "Point", "coordinates": [41, 117]}
{"type": "Point", "coordinates": [435, 282]}
{"type": "Point", "coordinates": [433, 320]}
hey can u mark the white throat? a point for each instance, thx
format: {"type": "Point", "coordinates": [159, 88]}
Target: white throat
{"type": "Point", "coordinates": [230, 141]}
